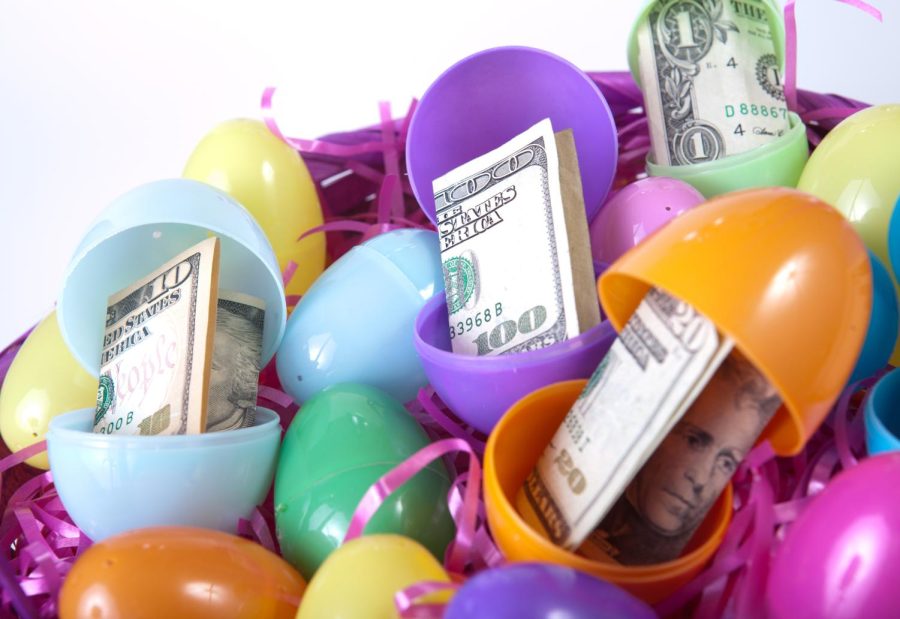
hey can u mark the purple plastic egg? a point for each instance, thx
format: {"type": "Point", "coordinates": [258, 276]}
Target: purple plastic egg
{"type": "Point", "coordinates": [543, 591]}
{"type": "Point", "coordinates": [841, 557]}
{"type": "Point", "coordinates": [636, 211]}
{"type": "Point", "coordinates": [480, 389]}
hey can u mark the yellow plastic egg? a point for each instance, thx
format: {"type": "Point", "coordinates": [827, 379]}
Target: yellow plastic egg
{"type": "Point", "coordinates": [43, 381]}
{"type": "Point", "coordinates": [244, 159]}
{"type": "Point", "coordinates": [359, 579]}
{"type": "Point", "coordinates": [856, 169]}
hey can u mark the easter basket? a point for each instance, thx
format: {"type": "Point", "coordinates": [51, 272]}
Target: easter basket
{"type": "Point", "coordinates": [363, 188]}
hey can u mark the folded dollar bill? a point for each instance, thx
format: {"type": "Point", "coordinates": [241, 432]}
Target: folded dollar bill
{"type": "Point", "coordinates": [656, 517]}
{"type": "Point", "coordinates": [515, 246]}
{"type": "Point", "coordinates": [711, 81]}
{"type": "Point", "coordinates": [157, 348]}
{"type": "Point", "coordinates": [655, 369]}
{"type": "Point", "coordinates": [237, 354]}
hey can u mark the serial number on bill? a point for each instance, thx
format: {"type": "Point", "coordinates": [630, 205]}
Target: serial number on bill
{"type": "Point", "coordinates": [480, 318]}
{"type": "Point", "coordinates": [755, 111]}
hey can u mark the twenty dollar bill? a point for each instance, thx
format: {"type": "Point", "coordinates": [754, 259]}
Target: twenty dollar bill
{"type": "Point", "coordinates": [155, 364]}
{"type": "Point", "coordinates": [515, 247]}
{"type": "Point", "coordinates": [654, 370]}
{"type": "Point", "coordinates": [712, 83]}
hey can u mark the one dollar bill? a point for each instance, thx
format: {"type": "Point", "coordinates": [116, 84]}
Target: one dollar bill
{"type": "Point", "coordinates": [660, 362]}
{"type": "Point", "coordinates": [711, 81]}
{"type": "Point", "coordinates": [515, 247]}
{"type": "Point", "coordinates": [155, 363]}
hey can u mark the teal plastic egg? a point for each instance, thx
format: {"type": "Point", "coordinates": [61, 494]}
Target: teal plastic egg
{"type": "Point", "coordinates": [340, 443]}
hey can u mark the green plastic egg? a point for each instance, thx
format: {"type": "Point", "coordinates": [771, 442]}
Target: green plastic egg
{"type": "Point", "coordinates": [340, 443]}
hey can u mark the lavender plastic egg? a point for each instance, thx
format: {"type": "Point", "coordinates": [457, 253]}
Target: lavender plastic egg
{"type": "Point", "coordinates": [636, 211]}
{"type": "Point", "coordinates": [543, 591]}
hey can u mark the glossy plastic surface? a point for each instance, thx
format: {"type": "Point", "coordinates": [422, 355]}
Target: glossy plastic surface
{"type": "Point", "coordinates": [340, 443]}
{"type": "Point", "coordinates": [111, 483]}
{"type": "Point", "coordinates": [541, 591]}
{"type": "Point", "coordinates": [882, 415]}
{"type": "Point", "coordinates": [512, 451]}
{"type": "Point", "coordinates": [488, 98]}
{"type": "Point", "coordinates": [245, 160]}
{"type": "Point", "coordinates": [776, 164]}
{"type": "Point", "coordinates": [480, 389]}
{"type": "Point", "coordinates": [359, 580]}
{"type": "Point", "coordinates": [854, 169]}
{"type": "Point", "coordinates": [356, 322]}
{"type": "Point", "coordinates": [43, 381]}
{"type": "Point", "coordinates": [779, 271]}
{"type": "Point", "coordinates": [180, 572]}
{"type": "Point", "coordinates": [840, 558]}
{"type": "Point", "coordinates": [148, 226]}
{"type": "Point", "coordinates": [636, 211]}
{"type": "Point", "coordinates": [883, 323]}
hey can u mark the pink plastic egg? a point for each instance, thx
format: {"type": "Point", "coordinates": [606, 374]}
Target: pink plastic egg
{"type": "Point", "coordinates": [636, 211]}
{"type": "Point", "coordinates": [841, 557]}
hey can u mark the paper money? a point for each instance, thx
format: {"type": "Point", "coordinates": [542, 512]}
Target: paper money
{"type": "Point", "coordinates": [237, 352]}
{"type": "Point", "coordinates": [660, 362]}
{"type": "Point", "coordinates": [515, 246]}
{"type": "Point", "coordinates": [712, 84]}
{"type": "Point", "coordinates": [670, 496]}
{"type": "Point", "coordinates": [155, 364]}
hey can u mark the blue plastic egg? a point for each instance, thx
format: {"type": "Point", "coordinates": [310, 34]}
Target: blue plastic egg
{"type": "Point", "coordinates": [883, 323]}
{"type": "Point", "coordinates": [355, 324]}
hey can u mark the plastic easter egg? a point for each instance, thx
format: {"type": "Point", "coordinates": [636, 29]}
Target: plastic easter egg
{"type": "Point", "coordinates": [512, 451]}
{"type": "Point", "coordinates": [488, 98]}
{"type": "Point", "coordinates": [882, 415]}
{"type": "Point", "coordinates": [855, 170]}
{"type": "Point", "coordinates": [883, 324]}
{"type": "Point", "coordinates": [761, 265]}
{"type": "Point", "coordinates": [479, 389]}
{"type": "Point", "coordinates": [146, 227]}
{"type": "Point", "coordinates": [339, 444]}
{"type": "Point", "coordinates": [840, 558]}
{"type": "Point", "coordinates": [542, 591]}
{"type": "Point", "coordinates": [360, 579]}
{"type": "Point", "coordinates": [112, 483]}
{"type": "Point", "coordinates": [636, 211]}
{"type": "Point", "coordinates": [355, 324]}
{"type": "Point", "coordinates": [245, 160]}
{"type": "Point", "coordinates": [43, 381]}
{"type": "Point", "coordinates": [179, 572]}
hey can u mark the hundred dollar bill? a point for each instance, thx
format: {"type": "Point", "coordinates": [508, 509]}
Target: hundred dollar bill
{"type": "Point", "coordinates": [660, 362]}
{"type": "Point", "coordinates": [666, 502]}
{"type": "Point", "coordinates": [237, 353]}
{"type": "Point", "coordinates": [155, 364]}
{"type": "Point", "coordinates": [515, 246]}
{"type": "Point", "coordinates": [711, 81]}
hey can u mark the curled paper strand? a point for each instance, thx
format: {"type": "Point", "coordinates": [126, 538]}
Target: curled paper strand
{"type": "Point", "coordinates": [790, 46]}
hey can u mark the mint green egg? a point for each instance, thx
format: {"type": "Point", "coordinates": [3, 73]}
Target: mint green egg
{"type": "Point", "coordinates": [343, 439]}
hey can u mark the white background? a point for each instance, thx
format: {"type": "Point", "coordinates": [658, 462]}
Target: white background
{"type": "Point", "coordinates": [99, 96]}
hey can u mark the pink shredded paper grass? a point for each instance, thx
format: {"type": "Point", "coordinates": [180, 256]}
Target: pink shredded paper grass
{"type": "Point", "coordinates": [364, 191]}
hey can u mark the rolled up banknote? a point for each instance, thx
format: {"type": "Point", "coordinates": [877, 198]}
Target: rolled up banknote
{"type": "Point", "coordinates": [655, 369]}
{"type": "Point", "coordinates": [515, 246]}
{"type": "Point", "coordinates": [237, 353]}
{"type": "Point", "coordinates": [667, 500]}
{"type": "Point", "coordinates": [711, 81]}
{"type": "Point", "coordinates": [157, 348]}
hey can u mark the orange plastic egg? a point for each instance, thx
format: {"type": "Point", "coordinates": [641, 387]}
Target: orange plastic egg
{"type": "Point", "coordinates": [180, 572]}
